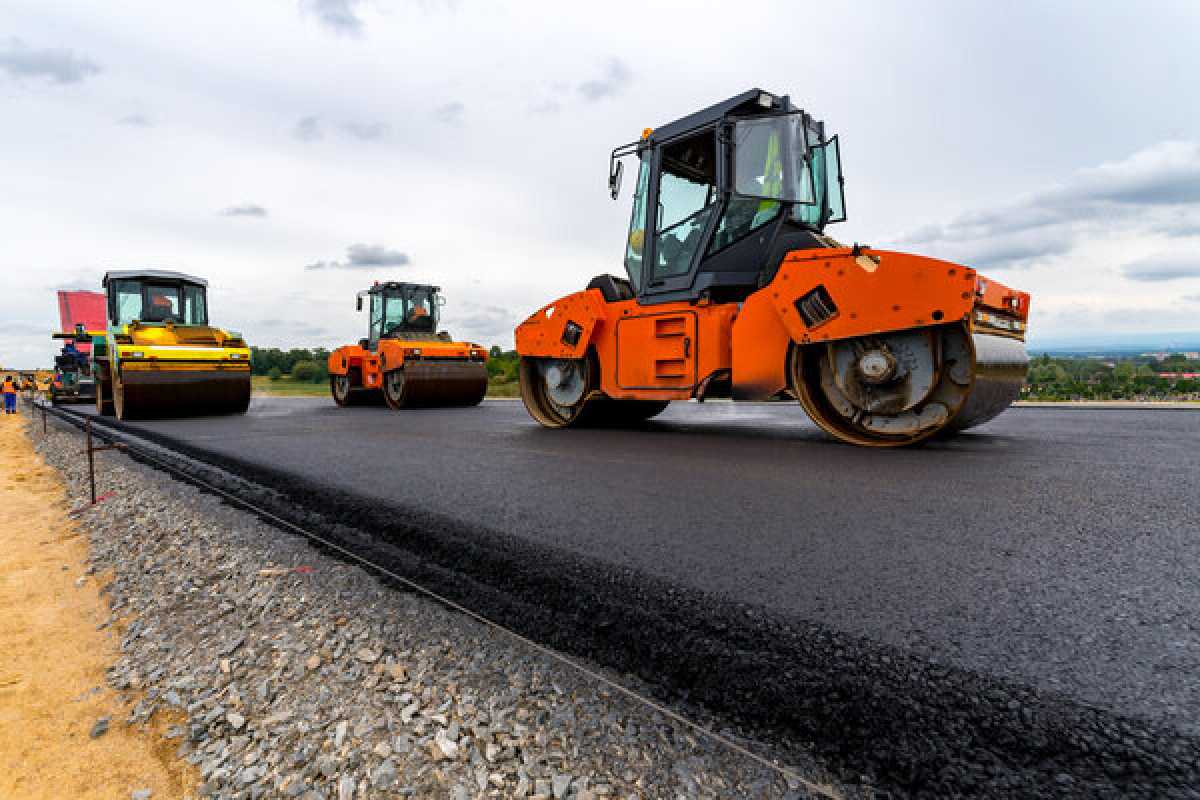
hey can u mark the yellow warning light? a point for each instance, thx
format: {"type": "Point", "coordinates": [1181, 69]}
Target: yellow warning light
{"type": "Point", "coordinates": [646, 132]}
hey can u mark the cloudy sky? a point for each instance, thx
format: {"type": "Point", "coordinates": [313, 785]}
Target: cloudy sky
{"type": "Point", "coordinates": [293, 152]}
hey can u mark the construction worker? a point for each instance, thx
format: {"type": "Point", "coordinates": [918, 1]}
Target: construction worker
{"type": "Point", "coordinates": [161, 309]}
{"type": "Point", "coordinates": [10, 395]}
{"type": "Point", "coordinates": [418, 315]}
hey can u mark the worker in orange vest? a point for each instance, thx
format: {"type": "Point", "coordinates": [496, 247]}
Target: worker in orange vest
{"type": "Point", "coordinates": [10, 395]}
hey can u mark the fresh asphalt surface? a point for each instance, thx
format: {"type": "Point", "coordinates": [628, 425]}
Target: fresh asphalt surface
{"type": "Point", "coordinates": [1053, 549]}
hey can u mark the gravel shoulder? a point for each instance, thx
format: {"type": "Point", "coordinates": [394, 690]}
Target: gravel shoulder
{"type": "Point", "coordinates": [58, 718]}
{"type": "Point", "coordinates": [296, 674]}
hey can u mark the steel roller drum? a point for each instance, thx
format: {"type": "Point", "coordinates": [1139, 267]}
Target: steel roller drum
{"type": "Point", "coordinates": [436, 383]}
{"type": "Point", "coordinates": [185, 393]}
{"type": "Point", "coordinates": [1000, 367]}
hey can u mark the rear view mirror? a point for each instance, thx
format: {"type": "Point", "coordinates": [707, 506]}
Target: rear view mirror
{"type": "Point", "coordinates": [358, 303]}
{"type": "Point", "coordinates": [614, 179]}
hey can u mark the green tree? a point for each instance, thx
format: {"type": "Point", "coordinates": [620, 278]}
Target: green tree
{"type": "Point", "coordinates": [275, 374]}
{"type": "Point", "coordinates": [306, 371]}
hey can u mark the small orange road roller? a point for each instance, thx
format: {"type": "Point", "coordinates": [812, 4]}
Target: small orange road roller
{"type": "Point", "coordinates": [734, 290]}
{"type": "Point", "coordinates": [405, 361]}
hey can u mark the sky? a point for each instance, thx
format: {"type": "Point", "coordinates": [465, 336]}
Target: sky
{"type": "Point", "coordinates": [295, 152]}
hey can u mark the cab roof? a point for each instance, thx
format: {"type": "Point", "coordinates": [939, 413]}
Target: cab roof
{"type": "Point", "coordinates": [398, 285]}
{"type": "Point", "coordinates": [151, 274]}
{"type": "Point", "coordinates": [750, 101]}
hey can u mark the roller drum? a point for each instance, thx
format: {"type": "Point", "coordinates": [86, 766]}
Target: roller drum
{"type": "Point", "coordinates": [900, 388]}
{"type": "Point", "coordinates": [432, 383]}
{"type": "Point", "coordinates": [181, 394]}
{"type": "Point", "coordinates": [1000, 367]}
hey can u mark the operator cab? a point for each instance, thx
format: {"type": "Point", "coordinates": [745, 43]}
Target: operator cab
{"type": "Point", "coordinates": [156, 297]}
{"type": "Point", "coordinates": [402, 311]}
{"type": "Point", "coordinates": [721, 196]}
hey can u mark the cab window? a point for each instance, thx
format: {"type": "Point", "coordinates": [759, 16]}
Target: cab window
{"type": "Point", "coordinates": [195, 310]}
{"type": "Point", "coordinates": [636, 241]}
{"type": "Point", "coordinates": [376, 317]}
{"type": "Point", "coordinates": [686, 199]}
{"type": "Point", "coordinates": [161, 303]}
{"type": "Point", "coordinates": [128, 302]}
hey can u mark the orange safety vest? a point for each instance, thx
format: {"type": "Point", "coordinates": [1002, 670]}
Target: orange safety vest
{"type": "Point", "coordinates": [9, 386]}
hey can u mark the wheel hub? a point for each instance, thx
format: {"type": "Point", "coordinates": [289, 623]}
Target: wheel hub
{"type": "Point", "coordinates": [565, 382]}
{"type": "Point", "coordinates": [876, 366]}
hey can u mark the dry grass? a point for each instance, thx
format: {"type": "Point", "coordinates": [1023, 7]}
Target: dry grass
{"type": "Point", "coordinates": [52, 657]}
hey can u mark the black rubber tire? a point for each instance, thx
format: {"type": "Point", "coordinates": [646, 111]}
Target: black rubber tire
{"type": "Point", "coordinates": [104, 402]}
{"type": "Point", "coordinates": [393, 394]}
{"type": "Point", "coordinates": [340, 388]}
{"type": "Point", "coordinates": [594, 411]}
{"type": "Point", "coordinates": [539, 406]}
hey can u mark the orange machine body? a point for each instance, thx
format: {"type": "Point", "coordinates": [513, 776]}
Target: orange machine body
{"type": "Point", "coordinates": [672, 351]}
{"type": "Point", "coordinates": [370, 365]}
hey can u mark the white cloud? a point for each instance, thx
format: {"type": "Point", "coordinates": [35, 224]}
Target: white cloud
{"type": "Point", "coordinates": [508, 208]}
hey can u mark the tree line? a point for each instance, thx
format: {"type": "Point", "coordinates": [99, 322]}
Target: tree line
{"type": "Point", "coordinates": [1060, 378]}
{"type": "Point", "coordinates": [301, 364]}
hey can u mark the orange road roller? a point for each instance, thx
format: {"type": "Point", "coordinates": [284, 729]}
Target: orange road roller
{"type": "Point", "coordinates": [405, 361]}
{"type": "Point", "coordinates": [734, 290]}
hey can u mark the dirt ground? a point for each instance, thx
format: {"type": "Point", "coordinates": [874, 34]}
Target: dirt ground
{"type": "Point", "coordinates": [52, 657]}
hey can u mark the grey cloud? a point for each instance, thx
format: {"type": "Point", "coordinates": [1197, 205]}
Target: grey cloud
{"type": "Point", "coordinates": [450, 113]}
{"type": "Point", "coordinates": [308, 129]}
{"type": "Point", "coordinates": [375, 255]}
{"type": "Point", "coordinates": [244, 210]}
{"type": "Point", "coordinates": [1191, 298]}
{"type": "Point", "coordinates": [615, 78]}
{"type": "Point", "coordinates": [365, 256]}
{"type": "Point", "coordinates": [1016, 253]}
{"type": "Point", "coordinates": [1164, 267]}
{"type": "Point", "coordinates": [136, 121]}
{"type": "Point", "coordinates": [55, 65]}
{"type": "Point", "coordinates": [366, 131]}
{"type": "Point", "coordinates": [337, 15]}
{"type": "Point", "coordinates": [1154, 190]}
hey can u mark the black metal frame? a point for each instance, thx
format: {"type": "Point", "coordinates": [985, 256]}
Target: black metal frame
{"type": "Point", "coordinates": [395, 289]}
{"type": "Point", "coordinates": [144, 284]}
{"type": "Point", "coordinates": [719, 119]}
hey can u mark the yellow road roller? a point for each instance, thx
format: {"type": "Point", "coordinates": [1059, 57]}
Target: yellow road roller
{"type": "Point", "coordinates": [159, 356]}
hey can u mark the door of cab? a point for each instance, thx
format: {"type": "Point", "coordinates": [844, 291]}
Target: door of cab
{"type": "Point", "coordinates": [657, 351]}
